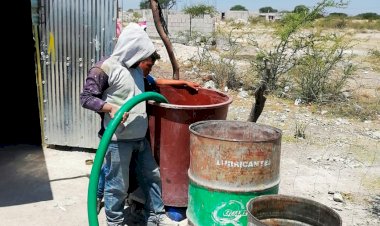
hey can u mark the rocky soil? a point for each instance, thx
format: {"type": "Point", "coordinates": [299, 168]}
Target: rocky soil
{"type": "Point", "coordinates": [338, 161]}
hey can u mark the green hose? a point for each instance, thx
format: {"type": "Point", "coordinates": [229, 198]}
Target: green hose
{"type": "Point", "coordinates": [102, 148]}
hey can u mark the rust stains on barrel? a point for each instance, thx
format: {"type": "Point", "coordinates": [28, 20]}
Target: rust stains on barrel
{"type": "Point", "coordinates": [235, 155]}
{"type": "Point", "coordinates": [278, 210]}
{"type": "Point", "coordinates": [230, 163]}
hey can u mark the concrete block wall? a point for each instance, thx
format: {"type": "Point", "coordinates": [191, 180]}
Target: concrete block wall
{"type": "Point", "coordinates": [205, 25]}
{"type": "Point", "coordinates": [240, 15]}
{"type": "Point", "coordinates": [176, 22]}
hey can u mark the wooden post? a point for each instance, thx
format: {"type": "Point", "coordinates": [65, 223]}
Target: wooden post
{"type": "Point", "coordinates": [157, 17]}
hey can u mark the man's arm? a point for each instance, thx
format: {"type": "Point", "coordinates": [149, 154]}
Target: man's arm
{"type": "Point", "coordinates": [96, 83]}
{"type": "Point", "coordinates": [91, 96]}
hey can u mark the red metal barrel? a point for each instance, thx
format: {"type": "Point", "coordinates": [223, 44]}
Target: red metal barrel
{"type": "Point", "coordinates": [170, 137]}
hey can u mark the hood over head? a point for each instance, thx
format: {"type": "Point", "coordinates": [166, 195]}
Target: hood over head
{"type": "Point", "coordinates": [133, 45]}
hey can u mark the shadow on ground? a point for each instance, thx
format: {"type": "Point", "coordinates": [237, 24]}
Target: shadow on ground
{"type": "Point", "coordinates": [24, 175]}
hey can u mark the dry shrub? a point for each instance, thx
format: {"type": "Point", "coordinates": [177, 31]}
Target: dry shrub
{"type": "Point", "coordinates": [374, 58]}
{"type": "Point", "coordinates": [341, 23]}
{"type": "Point", "coordinates": [362, 106]}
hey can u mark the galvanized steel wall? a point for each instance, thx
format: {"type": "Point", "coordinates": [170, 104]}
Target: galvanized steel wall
{"type": "Point", "coordinates": [74, 34]}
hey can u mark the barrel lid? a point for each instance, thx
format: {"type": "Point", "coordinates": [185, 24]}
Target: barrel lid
{"type": "Point", "coordinates": [231, 130]}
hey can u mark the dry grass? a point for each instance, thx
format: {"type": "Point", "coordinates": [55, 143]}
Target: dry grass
{"type": "Point", "coordinates": [360, 108]}
{"type": "Point", "coordinates": [373, 58]}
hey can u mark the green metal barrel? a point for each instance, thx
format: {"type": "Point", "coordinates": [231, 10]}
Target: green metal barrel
{"type": "Point", "coordinates": [231, 162]}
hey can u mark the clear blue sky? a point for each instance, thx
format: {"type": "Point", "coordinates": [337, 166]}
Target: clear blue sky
{"type": "Point", "coordinates": [354, 7]}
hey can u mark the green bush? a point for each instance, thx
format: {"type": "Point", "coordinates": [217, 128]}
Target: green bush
{"type": "Point", "coordinates": [350, 22]}
{"type": "Point", "coordinates": [373, 58]}
{"type": "Point", "coordinates": [254, 20]}
{"type": "Point", "coordinates": [324, 69]}
{"type": "Point", "coordinates": [369, 16]}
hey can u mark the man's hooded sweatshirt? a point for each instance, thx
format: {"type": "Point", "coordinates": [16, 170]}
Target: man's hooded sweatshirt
{"type": "Point", "coordinates": [125, 82]}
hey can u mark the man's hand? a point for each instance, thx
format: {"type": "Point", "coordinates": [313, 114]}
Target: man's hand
{"type": "Point", "coordinates": [114, 109]}
{"type": "Point", "coordinates": [192, 85]}
{"type": "Point", "coordinates": [125, 116]}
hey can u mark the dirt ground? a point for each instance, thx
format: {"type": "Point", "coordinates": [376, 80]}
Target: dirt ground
{"type": "Point", "coordinates": [44, 186]}
{"type": "Point", "coordinates": [338, 157]}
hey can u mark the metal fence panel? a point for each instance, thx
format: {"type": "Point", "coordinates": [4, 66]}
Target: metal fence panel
{"type": "Point", "coordinates": [74, 34]}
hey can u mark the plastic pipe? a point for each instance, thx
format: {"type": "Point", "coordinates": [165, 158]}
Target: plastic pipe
{"type": "Point", "coordinates": [102, 148]}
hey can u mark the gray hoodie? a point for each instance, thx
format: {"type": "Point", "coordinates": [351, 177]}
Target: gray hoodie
{"type": "Point", "coordinates": [125, 82]}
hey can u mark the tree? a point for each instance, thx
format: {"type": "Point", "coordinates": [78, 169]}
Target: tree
{"type": "Point", "coordinates": [369, 16]}
{"type": "Point", "coordinates": [290, 46]}
{"type": "Point", "coordinates": [238, 8]}
{"type": "Point", "coordinates": [301, 9]}
{"type": "Point", "coordinates": [316, 75]}
{"type": "Point", "coordinates": [165, 4]}
{"type": "Point", "coordinates": [291, 42]}
{"type": "Point", "coordinates": [338, 15]}
{"type": "Point", "coordinates": [162, 30]}
{"type": "Point", "coordinates": [136, 17]}
{"type": "Point", "coordinates": [267, 9]}
{"type": "Point", "coordinates": [198, 10]}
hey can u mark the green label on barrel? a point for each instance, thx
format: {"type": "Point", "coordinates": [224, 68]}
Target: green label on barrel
{"type": "Point", "coordinates": [229, 212]}
{"type": "Point", "coordinates": [209, 207]}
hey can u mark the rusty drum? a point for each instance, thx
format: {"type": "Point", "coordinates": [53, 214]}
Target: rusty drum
{"type": "Point", "coordinates": [230, 163]}
{"type": "Point", "coordinates": [283, 210]}
{"type": "Point", "coordinates": [170, 137]}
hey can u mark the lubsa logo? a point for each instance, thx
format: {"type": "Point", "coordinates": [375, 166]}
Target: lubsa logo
{"type": "Point", "coordinates": [229, 213]}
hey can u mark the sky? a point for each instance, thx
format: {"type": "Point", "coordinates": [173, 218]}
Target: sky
{"type": "Point", "coordinates": [354, 7]}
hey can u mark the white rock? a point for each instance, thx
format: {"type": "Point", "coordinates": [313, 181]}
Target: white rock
{"type": "Point", "coordinates": [338, 197]}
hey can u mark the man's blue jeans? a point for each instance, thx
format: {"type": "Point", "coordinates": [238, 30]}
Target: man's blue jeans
{"type": "Point", "coordinates": [118, 159]}
{"type": "Point", "coordinates": [102, 179]}
{"type": "Point", "coordinates": [102, 175]}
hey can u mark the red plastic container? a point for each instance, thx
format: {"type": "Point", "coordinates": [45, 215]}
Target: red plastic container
{"type": "Point", "coordinates": [170, 136]}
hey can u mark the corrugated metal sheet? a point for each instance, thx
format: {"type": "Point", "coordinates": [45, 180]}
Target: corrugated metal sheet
{"type": "Point", "coordinates": [74, 34]}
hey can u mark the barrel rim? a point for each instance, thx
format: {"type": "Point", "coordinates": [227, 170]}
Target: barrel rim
{"type": "Point", "coordinates": [282, 197]}
{"type": "Point", "coordinates": [188, 107]}
{"type": "Point", "coordinates": [276, 137]}
{"type": "Point", "coordinates": [220, 188]}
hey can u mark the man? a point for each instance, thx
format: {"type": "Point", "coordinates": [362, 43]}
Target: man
{"type": "Point", "coordinates": [107, 88]}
